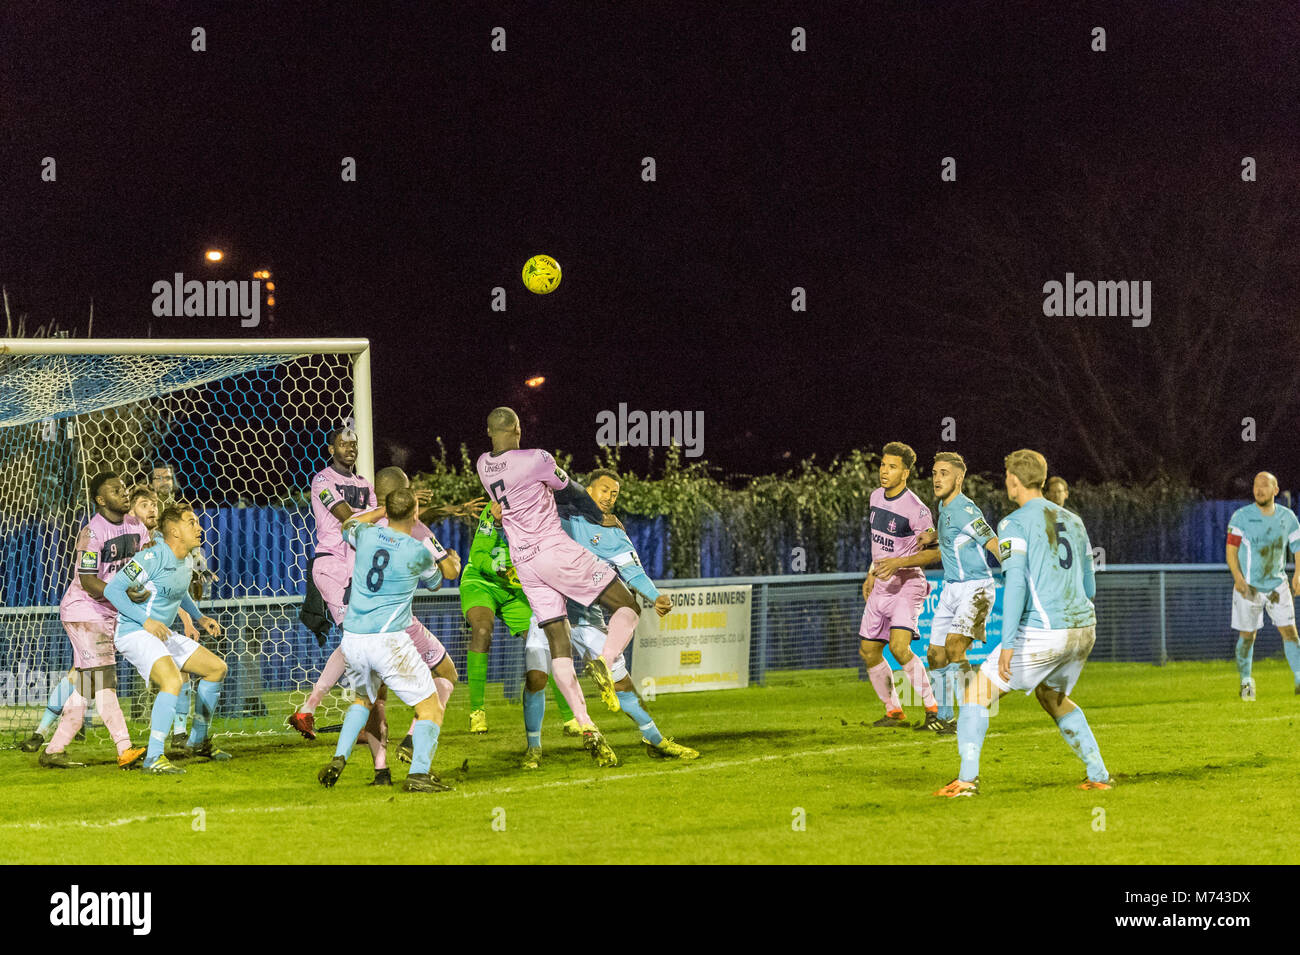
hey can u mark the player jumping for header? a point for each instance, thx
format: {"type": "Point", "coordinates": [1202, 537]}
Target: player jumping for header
{"type": "Point", "coordinates": [968, 589]}
{"type": "Point", "coordinates": [896, 588]}
{"type": "Point", "coordinates": [607, 540]}
{"type": "Point", "coordinates": [1259, 536]}
{"type": "Point", "coordinates": [552, 566]}
{"type": "Point", "coordinates": [1049, 625]}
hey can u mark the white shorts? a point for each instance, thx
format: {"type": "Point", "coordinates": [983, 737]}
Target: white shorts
{"type": "Point", "coordinates": [142, 649]}
{"type": "Point", "coordinates": [386, 658]}
{"type": "Point", "coordinates": [1248, 612]}
{"type": "Point", "coordinates": [961, 604]}
{"type": "Point", "coordinates": [1054, 657]}
{"type": "Point", "coordinates": [587, 644]}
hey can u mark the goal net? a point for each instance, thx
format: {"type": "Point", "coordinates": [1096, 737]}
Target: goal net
{"type": "Point", "coordinates": [243, 425]}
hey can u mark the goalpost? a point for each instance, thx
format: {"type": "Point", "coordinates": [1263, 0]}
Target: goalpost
{"type": "Point", "coordinates": [243, 424]}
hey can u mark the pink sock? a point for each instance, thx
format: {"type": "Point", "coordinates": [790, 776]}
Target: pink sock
{"type": "Point", "coordinates": [329, 676]}
{"type": "Point", "coordinates": [567, 681]}
{"type": "Point", "coordinates": [621, 626]}
{"type": "Point", "coordinates": [110, 711]}
{"type": "Point", "coordinates": [915, 671]}
{"type": "Point", "coordinates": [444, 688]}
{"type": "Point", "coordinates": [376, 735]}
{"type": "Point", "coordinates": [882, 679]}
{"type": "Point", "coordinates": [74, 711]}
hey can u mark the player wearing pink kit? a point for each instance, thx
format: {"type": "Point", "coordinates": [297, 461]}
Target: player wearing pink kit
{"type": "Point", "coordinates": [896, 588]}
{"type": "Point", "coordinates": [551, 565]}
{"type": "Point", "coordinates": [337, 493]}
{"type": "Point", "coordinates": [109, 540]}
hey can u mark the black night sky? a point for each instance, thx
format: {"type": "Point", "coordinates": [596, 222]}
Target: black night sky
{"type": "Point", "coordinates": [775, 169]}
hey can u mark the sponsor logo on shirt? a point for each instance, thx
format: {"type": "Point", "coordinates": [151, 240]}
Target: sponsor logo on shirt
{"type": "Point", "coordinates": [495, 467]}
{"type": "Point", "coordinates": [325, 497]}
{"type": "Point", "coordinates": [981, 526]}
{"type": "Point", "coordinates": [89, 560]}
{"type": "Point", "coordinates": [132, 570]}
{"type": "Point", "coordinates": [559, 473]}
{"type": "Point", "coordinates": [1004, 549]}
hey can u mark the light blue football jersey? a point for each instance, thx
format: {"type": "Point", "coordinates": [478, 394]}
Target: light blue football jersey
{"type": "Point", "coordinates": [611, 544]}
{"type": "Point", "coordinates": [1047, 563]}
{"type": "Point", "coordinates": [1263, 541]}
{"type": "Point", "coordinates": [963, 532]}
{"type": "Point", "coordinates": [167, 579]}
{"type": "Point", "coordinates": [389, 566]}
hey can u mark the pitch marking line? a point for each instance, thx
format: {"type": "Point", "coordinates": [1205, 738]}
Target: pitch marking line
{"type": "Point", "coordinates": [691, 766]}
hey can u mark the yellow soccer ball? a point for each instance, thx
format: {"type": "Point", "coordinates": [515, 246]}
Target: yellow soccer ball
{"type": "Point", "coordinates": [541, 274]}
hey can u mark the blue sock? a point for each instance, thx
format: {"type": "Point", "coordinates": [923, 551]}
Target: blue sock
{"type": "Point", "coordinates": [534, 710]}
{"type": "Point", "coordinates": [1078, 734]}
{"type": "Point", "coordinates": [1292, 651]}
{"type": "Point", "coordinates": [425, 737]}
{"type": "Point", "coordinates": [182, 706]}
{"type": "Point", "coordinates": [643, 720]}
{"type": "Point", "coordinates": [160, 721]}
{"type": "Point", "coordinates": [941, 679]}
{"type": "Point", "coordinates": [972, 724]}
{"type": "Point", "coordinates": [1245, 657]}
{"type": "Point", "coordinates": [54, 705]}
{"type": "Point", "coordinates": [209, 691]}
{"type": "Point", "coordinates": [353, 723]}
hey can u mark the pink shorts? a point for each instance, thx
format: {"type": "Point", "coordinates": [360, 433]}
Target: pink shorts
{"type": "Point", "coordinates": [92, 643]}
{"type": "Point", "coordinates": [563, 569]}
{"type": "Point", "coordinates": [428, 646]}
{"type": "Point", "coordinates": [332, 576]}
{"type": "Point", "coordinates": [893, 606]}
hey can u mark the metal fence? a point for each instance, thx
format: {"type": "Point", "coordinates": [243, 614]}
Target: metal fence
{"type": "Point", "coordinates": [1146, 614]}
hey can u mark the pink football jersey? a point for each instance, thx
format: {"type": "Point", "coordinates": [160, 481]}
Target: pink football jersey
{"type": "Point", "coordinates": [895, 524]}
{"type": "Point", "coordinates": [327, 489]}
{"type": "Point", "coordinates": [522, 481]}
{"type": "Point", "coordinates": [102, 548]}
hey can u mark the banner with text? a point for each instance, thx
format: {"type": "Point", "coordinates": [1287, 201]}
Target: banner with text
{"type": "Point", "coordinates": [701, 644]}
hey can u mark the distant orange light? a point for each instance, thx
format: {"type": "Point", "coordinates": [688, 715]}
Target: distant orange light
{"type": "Point", "coordinates": [270, 300]}
{"type": "Point", "coordinates": [214, 255]}
{"type": "Point", "coordinates": [262, 274]}
{"type": "Point", "coordinates": [535, 382]}
{"type": "Point", "coordinates": [270, 286]}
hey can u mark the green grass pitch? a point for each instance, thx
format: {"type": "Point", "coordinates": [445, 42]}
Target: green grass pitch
{"type": "Point", "coordinates": [1203, 778]}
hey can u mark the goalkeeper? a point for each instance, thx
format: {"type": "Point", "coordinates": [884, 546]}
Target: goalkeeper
{"type": "Point", "coordinates": [489, 588]}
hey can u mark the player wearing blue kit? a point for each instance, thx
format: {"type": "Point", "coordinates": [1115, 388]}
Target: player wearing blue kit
{"type": "Point", "coordinates": [377, 650]}
{"type": "Point", "coordinates": [608, 540]}
{"type": "Point", "coordinates": [1259, 537]}
{"type": "Point", "coordinates": [968, 588]}
{"type": "Point", "coordinates": [1049, 625]}
{"type": "Point", "coordinates": [144, 635]}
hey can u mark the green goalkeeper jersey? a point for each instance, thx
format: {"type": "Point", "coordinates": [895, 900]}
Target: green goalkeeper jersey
{"type": "Point", "coordinates": [490, 553]}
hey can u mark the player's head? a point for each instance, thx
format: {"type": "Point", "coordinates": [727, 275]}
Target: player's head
{"type": "Point", "coordinates": [163, 480]}
{"type": "Point", "coordinates": [144, 505]}
{"type": "Point", "coordinates": [180, 525]}
{"type": "Point", "coordinates": [896, 462]}
{"type": "Point", "coordinates": [1056, 490]}
{"type": "Point", "coordinates": [109, 494]}
{"type": "Point", "coordinates": [949, 472]}
{"type": "Point", "coordinates": [1026, 472]}
{"type": "Point", "coordinates": [400, 506]}
{"type": "Point", "coordinates": [1265, 488]}
{"type": "Point", "coordinates": [342, 446]}
{"type": "Point", "coordinates": [603, 486]}
{"type": "Point", "coordinates": [389, 480]}
{"type": "Point", "coordinates": [503, 428]}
